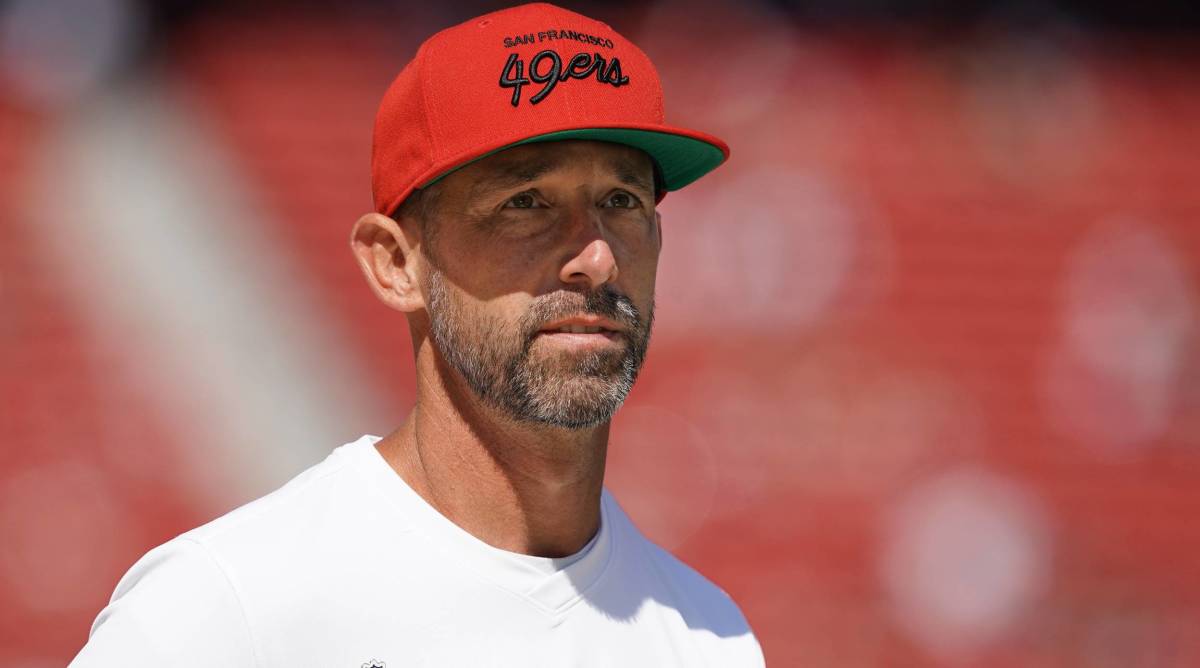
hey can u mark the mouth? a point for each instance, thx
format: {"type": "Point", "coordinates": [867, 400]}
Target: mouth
{"type": "Point", "coordinates": [561, 335]}
{"type": "Point", "coordinates": [582, 332]}
{"type": "Point", "coordinates": [582, 324]}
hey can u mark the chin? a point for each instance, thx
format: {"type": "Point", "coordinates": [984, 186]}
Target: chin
{"type": "Point", "coordinates": [578, 402]}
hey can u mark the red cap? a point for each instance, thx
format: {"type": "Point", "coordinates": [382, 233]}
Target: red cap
{"type": "Point", "coordinates": [531, 73]}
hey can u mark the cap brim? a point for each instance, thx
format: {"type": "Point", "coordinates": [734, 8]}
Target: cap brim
{"type": "Point", "coordinates": [681, 158]}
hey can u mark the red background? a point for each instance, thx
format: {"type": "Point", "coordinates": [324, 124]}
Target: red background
{"type": "Point", "coordinates": [925, 382]}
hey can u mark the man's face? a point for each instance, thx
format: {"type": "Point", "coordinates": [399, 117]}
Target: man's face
{"type": "Point", "coordinates": [525, 248]}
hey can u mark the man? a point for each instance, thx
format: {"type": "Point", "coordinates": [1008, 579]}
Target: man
{"type": "Point", "coordinates": [517, 163]}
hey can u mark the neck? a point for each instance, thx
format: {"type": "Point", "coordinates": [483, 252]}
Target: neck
{"type": "Point", "coordinates": [524, 488]}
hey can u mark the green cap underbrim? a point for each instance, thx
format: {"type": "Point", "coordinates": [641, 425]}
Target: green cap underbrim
{"type": "Point", "coordinates": [680, 159]}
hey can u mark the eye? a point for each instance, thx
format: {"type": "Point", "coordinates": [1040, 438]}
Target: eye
{"type": "Point", "coordinates": [621, 200]}
{"type": "Point", "coordinates": [523, 200]}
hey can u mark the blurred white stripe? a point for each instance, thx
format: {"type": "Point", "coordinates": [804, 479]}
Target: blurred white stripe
{"type": "Point", "coordinates": [164, 251]}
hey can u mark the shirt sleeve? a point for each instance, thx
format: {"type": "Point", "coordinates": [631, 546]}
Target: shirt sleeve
{"type": "Point", "coordinates": [174, 608]}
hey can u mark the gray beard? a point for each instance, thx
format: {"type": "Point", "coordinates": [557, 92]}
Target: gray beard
{"type": "Point", "coordinates": [497, 364]}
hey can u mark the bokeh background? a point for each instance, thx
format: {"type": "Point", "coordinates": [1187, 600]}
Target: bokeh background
{"type": "Point", "coordinates": [925, 386]}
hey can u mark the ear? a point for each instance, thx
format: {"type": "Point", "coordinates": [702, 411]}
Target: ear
{"type": "Point", "coordinates": [388, 259]}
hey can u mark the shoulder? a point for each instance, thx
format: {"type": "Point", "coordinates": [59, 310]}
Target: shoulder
{"type": "Point", "coordinates": [175, 606]}
{"type": "Point", "coordinates": [330, 480]}
{"type": "Point", "coordinates": [699, 595]}
{"type": "Point", "coordinates": [209, 582]}
{"type": "Point", "coordinates": [330, 518]}
{"type": "Point", "coordinates": [703, 605]}
{"type": "Point", "coordinates": [333, 506]}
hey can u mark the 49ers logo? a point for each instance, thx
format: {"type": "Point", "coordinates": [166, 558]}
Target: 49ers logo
{"type": "Point", "coordinates": [580, 66]}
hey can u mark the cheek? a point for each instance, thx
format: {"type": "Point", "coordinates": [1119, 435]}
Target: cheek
{"type": "Point", "coordinates": [489, 276]}
{"type": "Point", "coordinates": [636, 239]}
{"type": "Point", "coordinates": [507, 316]}
{"type": "Point", "coordinates": [639, 263]}
{"type": "Point", "coordinates": [475, 318]}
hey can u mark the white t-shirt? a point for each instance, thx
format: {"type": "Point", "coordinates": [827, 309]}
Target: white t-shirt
{"type": "Point", "coordinates": [346, 566]}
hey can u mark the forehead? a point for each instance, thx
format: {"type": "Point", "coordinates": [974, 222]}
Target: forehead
{"type": "Point", "coordinates": [528, 162]}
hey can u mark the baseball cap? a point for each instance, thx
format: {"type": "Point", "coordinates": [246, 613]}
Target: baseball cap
{"type": "Point", "coordinates": [531, 73]}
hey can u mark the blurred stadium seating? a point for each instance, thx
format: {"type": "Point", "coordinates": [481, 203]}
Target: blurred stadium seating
{"type": "Point", "coordinates": [925, 387]}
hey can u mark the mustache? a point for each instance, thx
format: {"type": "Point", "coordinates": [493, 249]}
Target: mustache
{"type": "Point", "coordinates": [604, 301]}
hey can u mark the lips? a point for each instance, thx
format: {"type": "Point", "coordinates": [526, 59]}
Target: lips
{"type": "Point", "coordinates": [577, 329]}
{"type": "Point", "coordinates": [584, 332]}
{"type": "Point", "coordinates": [582, 324]}
{"type": "Point", "coordinates": [601, 340]}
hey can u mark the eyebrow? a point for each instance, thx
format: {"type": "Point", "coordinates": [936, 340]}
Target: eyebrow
{"type": "Point", "coordinates": [520, 172]}
{"type": "Point", "coordinates": [632, 175]}
{"type": "Point", "coordinates": [516, 174]}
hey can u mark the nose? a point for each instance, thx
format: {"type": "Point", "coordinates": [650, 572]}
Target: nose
{"type": "Point", "coordinates": [594, 264]}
